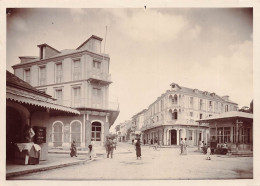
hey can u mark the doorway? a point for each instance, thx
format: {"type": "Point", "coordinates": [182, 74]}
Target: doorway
{"type": "Point", "coordinates": [13, 131]}
{"type": "Point", "coordinates": [173, 137]}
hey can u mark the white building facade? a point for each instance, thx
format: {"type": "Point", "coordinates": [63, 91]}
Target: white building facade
{"type": "Point", "coordinates": [172, 116]}
{"type": "Point", "coordinates": [77, 78]}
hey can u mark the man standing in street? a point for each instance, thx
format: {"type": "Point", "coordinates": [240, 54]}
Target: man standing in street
{"type": "Point", "coordinates": [109, 145]}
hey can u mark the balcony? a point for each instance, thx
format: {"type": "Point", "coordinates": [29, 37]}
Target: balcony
{"type": "Point", "coordinates": [83, 103]}
{"type": "Point", "coordinates": [98, 77]}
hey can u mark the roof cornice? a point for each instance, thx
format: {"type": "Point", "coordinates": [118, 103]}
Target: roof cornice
{"type": "Point", "coordinates": [59, 58]}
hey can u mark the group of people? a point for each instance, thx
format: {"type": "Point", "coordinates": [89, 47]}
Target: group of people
{"type": "Point", "coordinates": [91, 149]}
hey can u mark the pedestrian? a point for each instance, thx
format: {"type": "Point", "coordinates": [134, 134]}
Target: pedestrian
{"type": "Point", "coordinates": [133, 141]}
{"type": "Point", "coordinates": [181, 145]}
{"type": "Point", "coordinates": [138, 149]}
{"type": "Point", "coordinates": [93, 148]}
{"type": "Point", "coordinates": [155, 143]}
{"type": "Point", "coordinates": [201, 146]}
{"type": "Point", "coordinates": [73, 149]}
{"type": "Point", "coordinates": [90, 150]}
{"type": "Point", "coordinates": [208, 153]}
{"type": "Point", "coordinates": [185, 146]}
{"type": "Point", "coordinates": [109, 145]}
{"type": "Point", "coordinates": [114, 143]}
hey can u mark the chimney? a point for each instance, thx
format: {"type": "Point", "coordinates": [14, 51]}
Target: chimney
{"type": "Point", "coordinates": [226, 98]}
{"type": "Point", "coordinates": [47, 51]}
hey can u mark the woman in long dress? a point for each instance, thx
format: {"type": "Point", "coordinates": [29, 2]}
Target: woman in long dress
{"type": "Point", "coordinates": [73, 149]}
{"type": "Point", "coordinates": [138, 149]}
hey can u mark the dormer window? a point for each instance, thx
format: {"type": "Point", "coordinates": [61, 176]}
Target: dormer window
{"type": "Point", "coordinates": [195, 90]}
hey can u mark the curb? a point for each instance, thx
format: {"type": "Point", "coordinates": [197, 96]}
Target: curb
{"type": "Point", "coordinates": [19, 173]}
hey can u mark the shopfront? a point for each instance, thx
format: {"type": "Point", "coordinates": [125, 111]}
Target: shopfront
{"type": "Point", "coordinates": [28, 112]}
{"type": "Point", "coordinates": [233, 128]}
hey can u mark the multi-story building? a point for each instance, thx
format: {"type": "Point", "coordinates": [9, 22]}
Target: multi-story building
{"type": "Point", "coordinates": [77, 78]}
{"type": "Point", "coordinates": [172, 116]}
{"type": "Point", "coordinates": [124, 127]}
{"type": "Point", "coordinates": [137, 124]}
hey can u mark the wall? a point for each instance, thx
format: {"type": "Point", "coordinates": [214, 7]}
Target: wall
{"type": "Point", "coordinates": [41, 119]}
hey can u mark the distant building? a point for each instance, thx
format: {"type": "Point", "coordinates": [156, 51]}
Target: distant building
{"type": "Point", "coordinates": [124, 127]}
{"type": "Point", "coordinates": [137, 124]}
{"type": "Point", "coordinates": [77, 78]}
{"type": "Point", "coordinates": [173, 115]}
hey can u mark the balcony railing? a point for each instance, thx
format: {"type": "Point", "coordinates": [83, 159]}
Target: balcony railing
{"type": "Point", "coordinates": [83, 103]}
{"type": "Point", "coordinates": [100, 76]}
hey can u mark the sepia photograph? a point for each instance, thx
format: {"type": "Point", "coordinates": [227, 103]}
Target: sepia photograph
{"type": "Point", "coordinates": [147, 93]}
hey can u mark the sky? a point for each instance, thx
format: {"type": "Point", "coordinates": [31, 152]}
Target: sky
{"type": "Point", "coordinates": [210, 49]}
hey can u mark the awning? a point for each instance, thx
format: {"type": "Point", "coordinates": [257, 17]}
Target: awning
{"type": "Point", "coordinates": [228, 115]}
{"type": "Point", "coordinates": [37, 101]}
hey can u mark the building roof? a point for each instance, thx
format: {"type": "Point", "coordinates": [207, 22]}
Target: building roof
{"type": "Point", "coordinates": [196, 93]}
{"type": "Point", "coordinates": [94, 37]}
{"type": "Point", "coordinates": [228, 115]}
{"type": "Point", "coordinates": [19, 91]}
{"type": "Point", "coordinates": [14, 81]}
{"type": "Point", "coordinates": [46, 45]}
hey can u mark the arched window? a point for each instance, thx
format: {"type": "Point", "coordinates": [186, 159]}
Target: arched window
{"type": "Point", "coordinates": [75, 132]}
{"type": "Point", "coordinates": [96, 131]}
{"type": "Point", "coordinates": [175, 114]}
{"type": "Point", "coordinates": [175, 99]}
{"type": "Point", "coordinates": [57, 132]}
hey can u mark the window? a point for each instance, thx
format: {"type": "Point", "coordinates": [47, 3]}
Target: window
{"type": "Point", "coordinates": [27, 76]}
{"type": "Point", "coordinates": [96, 131]}
{"type": "Point", "coordinates": [201, 104]}
{"type": "Point", "coordinates": [58, 72]}
{"type": "Point", "coordinates": [75, 132]}
{"type": "Point", "coordinates": [96, 64]}
{"type": "Point", "coordinates": [175, 99]}
{"type": "Point", "coordinates": [42, 75]}
{"type": "Point", "coordinates": [76, 70]}
{"type": "Point", "coordinates": [201, 116]}
{"type": "Point", "coordinates": [245, 133]}
{"type": "Point", "coordinates": [58, 96]}
{"type": "Point", "coordinates": [175, 114]}
{"type": "Point", "coordinates": [210, 105]}
{"type": "Point", "coordinates": [226, 108]}
{"type": "Point", "coordinates": [216, 106]}
{"type": "Point", "coordinates": [97, 97]}
{"type": "Point", "coordinates": [76, 97]}
{"type": "Point", "coordinates": [191, 114]}
{"type": "Point", "coordinates": [190, 135]}
{"type": "Point", "coordinates": [191, 102]}
{"type": "Point", "coordinates": [223, 134]}
{"type": "Point", "coordinates": [57, 133]}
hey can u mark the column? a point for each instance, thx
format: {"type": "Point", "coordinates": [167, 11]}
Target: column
{"type": "Point", "coordinates": [178, 136]}
{"type": "Point", "coordinates": [83, 131]}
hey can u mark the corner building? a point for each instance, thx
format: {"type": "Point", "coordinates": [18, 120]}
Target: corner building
{"type": "Point", "coordinates": [172, 116]}
{"type": "Point", "coordinates": [77, 78]}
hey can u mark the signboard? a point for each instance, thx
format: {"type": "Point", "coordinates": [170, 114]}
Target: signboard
{"type": "Point", "coordinates": [40, 135]}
